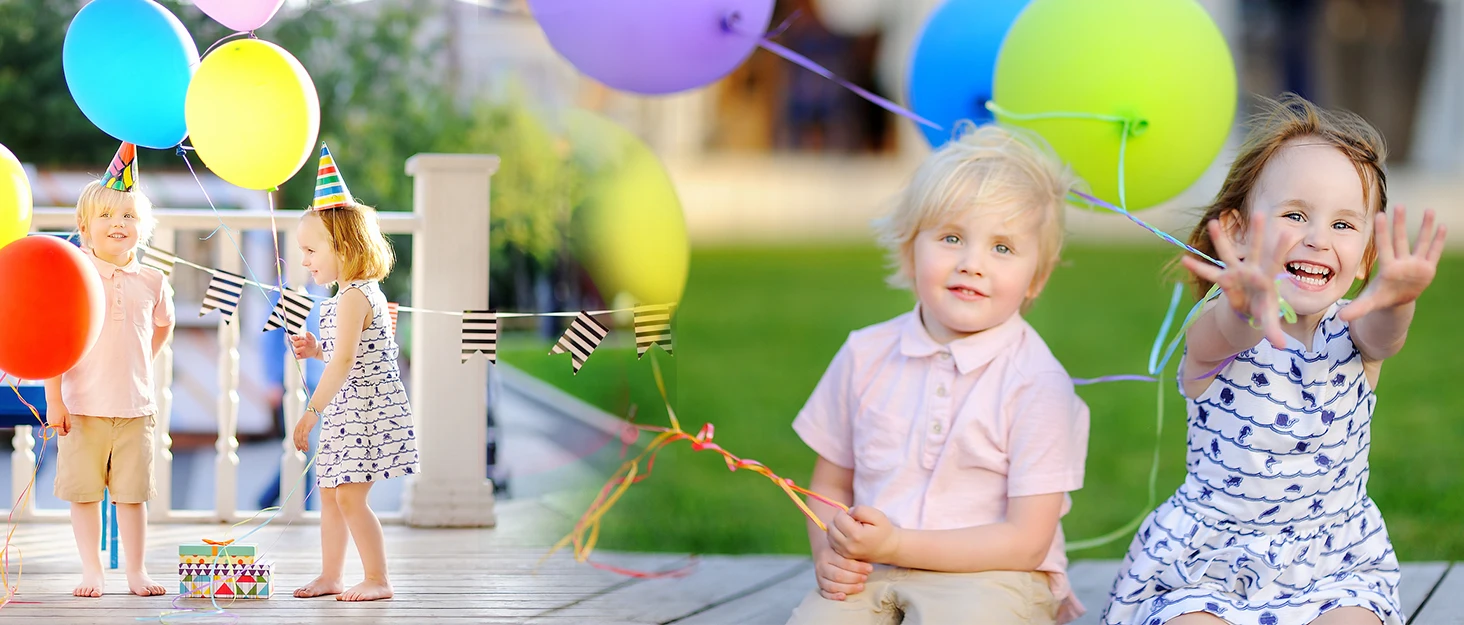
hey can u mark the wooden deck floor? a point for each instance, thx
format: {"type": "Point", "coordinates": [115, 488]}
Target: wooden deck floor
{"type": "Point", "coordinates": [487, 576]}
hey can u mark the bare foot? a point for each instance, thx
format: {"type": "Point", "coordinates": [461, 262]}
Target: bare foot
{"type": "Point", "coordinates": [320, 587]}
{"type": "Point", "coordinates": [91, 585]}
{"type": "Point", "coordinates": [369, 590]}
{"type": "Point", "coordinates": [143, 586]}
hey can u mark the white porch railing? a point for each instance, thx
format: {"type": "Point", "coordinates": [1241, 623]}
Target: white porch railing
{"type": "Point", "coordinates": [450, 273]}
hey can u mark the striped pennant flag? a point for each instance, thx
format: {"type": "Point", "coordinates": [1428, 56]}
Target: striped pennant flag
{"type": "Point", "coordinates": [392, 308]}
{"type": "Point", "coordinates": [290, 313]}
{"type": "Point", "coordinates": [652, 327]}
{"type": "Point", "coordinates": [581, 339]}
{"type": "Point", "coordinates": [159, 260]}
{"type": "Point", "coordinates": [223, 294]}
{"type": "Point", "coordinates": [480, 334]}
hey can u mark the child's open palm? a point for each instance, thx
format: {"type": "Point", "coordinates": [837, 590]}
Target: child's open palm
{"type": "Point", "coordinates": [1249, 282]}
{"type": "Point", "coordinates": [1402, 274]}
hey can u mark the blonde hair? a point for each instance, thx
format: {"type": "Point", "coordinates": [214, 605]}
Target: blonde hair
{"type": "Point", "coordinates": [356, 237]}
{"type": "Point", "coordinates": [983, 166]}
{"type": "Point", "coordinates": [1272, 127]}
{"type": "Point", "coordinates": [97, 199]}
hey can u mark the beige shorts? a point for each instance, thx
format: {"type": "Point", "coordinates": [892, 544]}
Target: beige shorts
{"type": "Point", "coordinates": [895, 595]}
{"type": "Point", "coordinates": [106, 453]}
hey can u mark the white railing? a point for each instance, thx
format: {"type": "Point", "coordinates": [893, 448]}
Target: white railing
{"type": "Point", "coordinates": [450, 273]}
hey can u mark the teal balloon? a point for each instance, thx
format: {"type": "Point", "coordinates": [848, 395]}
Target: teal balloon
{"type": "Point", "coordinates": [128, 64]}
{"type": "Point", "coordinates": [954, 62]}
{"type": "Point", "coordinates": [1161, 64]}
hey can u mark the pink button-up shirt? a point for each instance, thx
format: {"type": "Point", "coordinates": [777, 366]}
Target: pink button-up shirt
{"type": "Point", "coordinates": [115, 378]}
{"type": "Point", "coordinates": [940, 436]}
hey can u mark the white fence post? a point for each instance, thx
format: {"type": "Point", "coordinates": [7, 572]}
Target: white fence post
{"type": "Point", "coordinates": [161, 507]}
{"type": "Point", "coordinates": [449, 272]}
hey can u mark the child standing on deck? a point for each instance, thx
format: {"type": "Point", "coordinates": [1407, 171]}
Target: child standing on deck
{"type": "Point", "coordinates": [366, 430]}
{"type": "Point", "coordinates": [103, 407]}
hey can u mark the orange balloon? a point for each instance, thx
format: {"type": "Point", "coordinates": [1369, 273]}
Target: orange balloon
{"type": "Point", "coordinates": [52, 307]}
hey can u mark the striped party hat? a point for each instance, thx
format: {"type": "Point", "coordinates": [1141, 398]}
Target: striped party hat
{"type": "Point", "coordinates": [122, 173]}
{"type": "Point", "coordinates": [330, 188]}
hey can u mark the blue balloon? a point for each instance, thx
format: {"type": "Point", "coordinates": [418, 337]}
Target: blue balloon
{"type": "Point", "coordinates": [954, 62]}
{"type": "Point", "coordinates": [128, 64]}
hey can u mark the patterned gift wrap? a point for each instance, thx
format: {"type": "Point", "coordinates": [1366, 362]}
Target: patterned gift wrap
{"type": "Point", "coordinates": [226, 581]}
{"type": "Point", "coordinates": [201, 553]}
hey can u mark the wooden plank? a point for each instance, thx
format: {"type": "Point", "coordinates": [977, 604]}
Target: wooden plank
{"type": "Point", "coordinates": [1091, 580]}
{"type": "Point", "coordinates": [1418, 580]}
{"type": "Point", "coordinates": [1445, 606]}
{"type": "Point", "coordinates": [716, 579]}
{"type": "Point", "coordinates": [772, 604]}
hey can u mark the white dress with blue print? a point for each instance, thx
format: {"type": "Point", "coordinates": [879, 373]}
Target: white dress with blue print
{"type": "Point", "coordinates": [366, 433]}
{"type": "Point", "coordinates": [1273, 525]}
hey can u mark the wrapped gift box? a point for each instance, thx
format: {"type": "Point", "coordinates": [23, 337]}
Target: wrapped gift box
{"type": "Point", "coordinates": [202, 553]}
{"type": "Point", "coordinates": [226, 581]}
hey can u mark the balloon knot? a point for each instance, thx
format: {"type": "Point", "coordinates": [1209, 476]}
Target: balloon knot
{"type": "Point", "coordinates": [1136, 126]}
{"type": "Point", "coordinates": [729, 21]}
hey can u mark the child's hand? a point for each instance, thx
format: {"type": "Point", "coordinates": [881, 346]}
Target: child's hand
{"type": "Point", "coordinates": [58, 418]}
{"type": "Point", "coordinates": [1249, 283]}
{"type": "Point", "coordinates": [1402, 275]}
{"type": "Point", "coordinates": [864, 534]}
{"type": "Point", "coordinates": [305, 346]}
{"type": "Point", "coordinates": [839, 577]}
{"type": "Point", "coordinates": [302, 431]}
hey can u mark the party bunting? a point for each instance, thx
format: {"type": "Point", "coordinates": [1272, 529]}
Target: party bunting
{"type": "Point", "coordinates": [291, 311]}
{"type": "Point", "coordinates": [581, 339]}
{"type": "Point", "coordinates": [652, 327]}
{"type": "Point", "coordinates": [223, 294]}
{"type": "Point", "coordinates": [159, 260]}
{"type": "Point", "coordinates": [480, 334]}
{"type": "Point", "coordinates": [392, 308]}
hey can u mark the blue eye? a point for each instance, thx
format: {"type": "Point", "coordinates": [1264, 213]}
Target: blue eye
{"type": "Point", "coordinates": [951, 238]}
{"type": "Point", "coordinates": [1342, 225]}
{"type": "Point", "coordinates": [1001, 248]}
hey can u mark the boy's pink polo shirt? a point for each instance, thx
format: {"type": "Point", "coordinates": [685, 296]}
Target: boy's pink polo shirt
{"type": "Point", "coordinates": [115, 378]}
{"type": "Point", "coordinates": [940, 436]}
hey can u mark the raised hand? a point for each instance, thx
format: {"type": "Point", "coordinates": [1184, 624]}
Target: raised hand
{"type": "Point", "coordinates": [1402, 274]}
{"type": "Point", "coordinates": [1249, 282]}
{"type": "Point", "coordinates": [305, 346]}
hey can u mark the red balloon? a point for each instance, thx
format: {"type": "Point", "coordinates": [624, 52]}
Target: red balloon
{"type": "Point", "coordinates": [52, 307]}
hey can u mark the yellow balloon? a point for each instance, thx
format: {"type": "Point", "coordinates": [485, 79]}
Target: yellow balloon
{"type": "Point", "coordinates": [629, 230]}
{"type": "Point", "coordinates": [15, 199]}
{"type": "Point", "coordinates": [252, 113]}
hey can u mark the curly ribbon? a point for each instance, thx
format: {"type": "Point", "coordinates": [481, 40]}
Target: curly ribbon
{"type": "Point", "coordinates": [20, 502]}
{"type": "Point", "coordinates": [586, 531]}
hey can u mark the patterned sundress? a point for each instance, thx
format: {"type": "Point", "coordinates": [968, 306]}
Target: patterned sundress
{"type": "Point", "coordinates": [1273, 524]}
{"type": "Point", "coordinates": [366, 432]}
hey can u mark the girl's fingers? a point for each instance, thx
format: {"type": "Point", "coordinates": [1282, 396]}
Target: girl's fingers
{"type": "Point", "coordinates": [1425, 235]}
{"type": "Point", "coordinates": [1202, 269]}
{"type": "Point", "coordinates": [1399, 223]}
{"type": "Point", "coordinates": [1223, 248]}
{"type": "Point", "coordinates": [1436, 249]}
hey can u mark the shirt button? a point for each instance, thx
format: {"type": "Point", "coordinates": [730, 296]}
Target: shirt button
{"type": "Point", "coordinates": [945, 355]}
{"type": "Point", "coordinates": [935, 427]}
{"type": "Point", "coordinates": [940, 391]}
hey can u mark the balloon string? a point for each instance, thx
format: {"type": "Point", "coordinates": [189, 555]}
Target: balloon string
{"type": "Point", "coordinates": [234, 35]}
{"type": "Point", "coordinates": [765, 41]}
{"type": "Point", "coordinates": [21, 501]}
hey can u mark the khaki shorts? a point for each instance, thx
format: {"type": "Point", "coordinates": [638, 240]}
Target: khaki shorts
{"type": "Point", "coordinates": [106, 452]}
{"type": "Point", "coordinates": [895, 595]}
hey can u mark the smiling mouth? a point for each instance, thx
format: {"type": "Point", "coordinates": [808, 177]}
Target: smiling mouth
{"type": "Point", "coordinates": [965, 292]}
{"type": "Point", "coordinates": [1309, 274]}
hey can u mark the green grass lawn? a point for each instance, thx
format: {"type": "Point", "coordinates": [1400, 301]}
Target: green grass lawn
{"type": "Point", "coordinates": [758, 326]}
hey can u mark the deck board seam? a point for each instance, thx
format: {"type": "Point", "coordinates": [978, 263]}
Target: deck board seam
{"type": "Point", "coordinates": [795, 571]}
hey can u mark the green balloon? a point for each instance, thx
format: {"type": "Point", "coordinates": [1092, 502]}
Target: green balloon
{"type": "Point", "coordinates": [1162, 64]}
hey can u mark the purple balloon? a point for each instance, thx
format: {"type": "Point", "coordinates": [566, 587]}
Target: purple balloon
{"type": "Point", "coordinates": [653, 46]}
